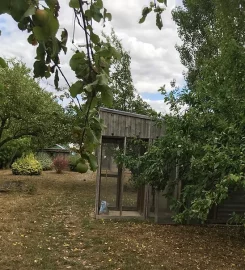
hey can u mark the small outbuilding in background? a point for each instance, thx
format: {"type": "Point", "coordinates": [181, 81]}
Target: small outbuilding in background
{"type": "Point", "coordinates": [56, 150]}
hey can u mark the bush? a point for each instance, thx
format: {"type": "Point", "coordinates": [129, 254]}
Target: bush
{"type": "Point", "coordinates": [73, 160]}
{"type": "Point", "coordinates": [45, 161]}
{"type": "Point", "coordinates": [60, 163]}
{"type": "Point", "coordinates": [26, 165]}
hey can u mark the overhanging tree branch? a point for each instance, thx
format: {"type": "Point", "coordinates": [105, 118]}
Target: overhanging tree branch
{"type": "Point", "coordinates": [15, 137]}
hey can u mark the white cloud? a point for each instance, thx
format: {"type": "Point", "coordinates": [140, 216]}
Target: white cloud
{"type": "Point", "coordinates": [159, 105]}
{"type": "Point", "coordinates": [155, 61]}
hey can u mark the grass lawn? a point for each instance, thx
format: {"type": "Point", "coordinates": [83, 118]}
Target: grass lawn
{"type": "Point", "coordinates": [49, 226]}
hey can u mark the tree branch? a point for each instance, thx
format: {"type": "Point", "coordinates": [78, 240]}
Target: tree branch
{"type": "Point", "coordinates": [63, 75]}
{"type": "Point", "coordinates": [2, 127]}
{"type": "Point", "coordinates": [88, 47]}
{"type": "Point", "coordinates": [86, 35]}
{"type": "Point", "coordinates": [15, 137]}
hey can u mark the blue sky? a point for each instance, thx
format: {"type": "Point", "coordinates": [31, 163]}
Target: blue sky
{"type": "Point", "coordinates": [150, 96]}
{"type": "Point", "coordinates": [3, 26]}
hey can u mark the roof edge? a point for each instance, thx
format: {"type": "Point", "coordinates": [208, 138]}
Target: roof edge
{"type": "Point", "coordinates": [135, 115]}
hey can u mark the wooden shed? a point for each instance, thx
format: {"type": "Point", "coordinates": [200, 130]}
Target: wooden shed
{"type": "Point", "coordinates": [113, 185]}
{"type": "Point", "coordinates": [113, 182]}
{"type": "Point", "coordinates": [235, 203]}
{"type": "Point", "coordinates": [56, 150]}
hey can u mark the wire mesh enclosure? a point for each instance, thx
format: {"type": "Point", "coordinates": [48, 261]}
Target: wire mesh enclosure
{"type": "Point", "coordinates": [111, 177]}
{"type": "Point", "coordinates": [115, 189]}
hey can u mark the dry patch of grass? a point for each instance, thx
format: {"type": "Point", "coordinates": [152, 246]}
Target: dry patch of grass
{"type": "Point", "coordinates": [51, 228]}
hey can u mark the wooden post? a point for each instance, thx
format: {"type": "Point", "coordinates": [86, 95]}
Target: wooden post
{"type": "Point", "coordinates": [147, 191]}
{"type": "Point", "coordinates": [98, 179]}
{"type": "Point", "coordinates": [156, 205]}
{"type": "Point", "coordinates": [178, 187]}
{"type": "Point", "coordinates": [122, 176]}
{"type": "Point", "coordinates": [146, 202]}
{"type": "Point", "coordinates": [119, 180]}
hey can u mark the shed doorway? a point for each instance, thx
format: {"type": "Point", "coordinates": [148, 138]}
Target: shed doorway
{"type": "Point", "coordinates": [116, 187]}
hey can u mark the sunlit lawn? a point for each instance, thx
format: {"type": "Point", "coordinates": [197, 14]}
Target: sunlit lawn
{"type": "Point", "coordinates": [49, 225]}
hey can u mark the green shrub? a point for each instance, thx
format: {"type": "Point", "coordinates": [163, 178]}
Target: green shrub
{"type": "Point", "coordinates": [26, 165]}
{"type": "Point", "coordinates": [45, 161]}
{"type": "Point", "coordinates": [73, 160]}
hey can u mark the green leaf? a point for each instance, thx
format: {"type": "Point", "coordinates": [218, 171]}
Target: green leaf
{"type": "Point", "coordinates": [74, 4]}
{"type": "Point", "coordinates": [108, 16]}
{"type": "Point", "coordinates": [94, 103]}
{"type": "Point", "coordinates": [88, 88]}
{"type": "Point", "coordinates": [47, 74]}
{"type": "Point", "coordinates": [92, 160]}
{"type": "Point", "coordinates": [89, 27]}
{"type": "Point", "coordinates": [146, 11]}
{"type": "Point", "coordinates": [162, 1]}
{"type": "Point", "coordinates": [142, 19]}
{"type": "Point", "coordinates": [97, 126]}
{"type": "Point", "coordinates": [15, 8]}
{"type": "Point", "coordinates": [105, 52]}
{"type": "Point", "coordinates": [31, 39]}
{"type": "Point", "coordinates": [55, 47]}
{"type": "Point", "coordinates": [40, 52]}
{"type": "Point", "coordinates": [78, 63]}
{"type": "Point", "coordinates": [51, 3]}
{"type": "Point", "coordinates": [94, 38]}
{"type": "Point", "coordinates": [23, 24]}
{"type": "Point", "coordinates": [64, 37]}
{"type": "Point", "coordinates": [106, 96]}
{"type": "Point", "coordinates": [77, 59]}
{"type": "Point", "coordinates": [4, 7]}
{"type": "Point", "coordinates": [97, 17]}
{"type": "Point", "coordinates": [76, 88]}
{"type": "Point", "coordinates": [64, 48]}
{"type": "Point", "coordinates": [159, 21]}
{"type": "Point", "coordinates": [88, 14]}
{"type": "Point", "coordinates": [91, 137]}
{"type": "Point", "coordinates": [102, 79]}
{"type": "Point", "coordinates": [95, 13]}
{"type": "Point", "coordinates": [99, 4]}
{"type": "Point", "coordinates": [3, 64]}
{"type": "Point", "coordinates": [103, 63]}
{"type": "Point", "coordinates": [56, 79]}
{"type": "Point", "coordinates": [115, 53]}
{"type": "Point", "coordinates": [39, 69]}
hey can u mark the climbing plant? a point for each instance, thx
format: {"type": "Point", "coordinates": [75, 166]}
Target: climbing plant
{"type": "Point", "coordinates": [91, 63]}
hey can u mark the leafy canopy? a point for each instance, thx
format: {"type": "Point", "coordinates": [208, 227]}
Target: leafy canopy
{"type": "Point", "coordinates": [204, 136]}
{"type": "Point", "coordinates": [27, 110]}
{"type": "Point", "coordinates": [91, 63]}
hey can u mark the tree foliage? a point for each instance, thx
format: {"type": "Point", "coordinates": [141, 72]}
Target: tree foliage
{"type": "Point", "coordinates": [91, 63]}
{"type": "Point", "coordinates": [14, 149]}
{"type": "Point", "coordinates": [28, 111]}
{"type": "Point", "coordinates": [205, 132]}
{"type": "Point", "coordinates": [125, 96]}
